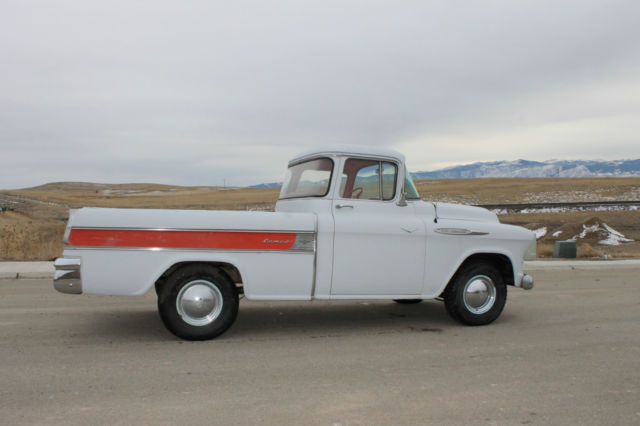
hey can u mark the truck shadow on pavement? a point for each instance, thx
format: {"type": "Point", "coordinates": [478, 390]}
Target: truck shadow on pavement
{"type": "Point", "coordinates": [270, 320]}
{"type": "Point", "coordinates": [323, 319]}
{"type": "Point", "coordinates": [126, 325]}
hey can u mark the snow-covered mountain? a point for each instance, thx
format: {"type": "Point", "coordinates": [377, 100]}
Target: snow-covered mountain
{"type": "Point", "coordinates": [525, 168]}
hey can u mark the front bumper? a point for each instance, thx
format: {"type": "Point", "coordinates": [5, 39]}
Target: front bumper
{"type": "Point", "coordinates": [526, 282]}
{"type": "Point", "coordinates": [67, 277]}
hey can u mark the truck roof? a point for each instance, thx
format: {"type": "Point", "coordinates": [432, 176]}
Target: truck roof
{"type": "Point", "coordinates": [337, 150]}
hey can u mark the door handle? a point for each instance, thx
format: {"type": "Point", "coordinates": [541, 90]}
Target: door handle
{"type": "Point", "coordinates": [344, 206]}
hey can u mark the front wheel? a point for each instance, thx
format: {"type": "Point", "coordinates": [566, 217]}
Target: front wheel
{"type": "Point", "coordinates": [198, 302]}
{"type": "Point", "coordinates": [476, 295]}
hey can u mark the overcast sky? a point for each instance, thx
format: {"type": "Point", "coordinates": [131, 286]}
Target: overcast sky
{"type": "Point", "coordinates": [192, 93]}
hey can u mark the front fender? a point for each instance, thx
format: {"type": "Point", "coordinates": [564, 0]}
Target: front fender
{"type": "Point", "coordinates": [446, 252]}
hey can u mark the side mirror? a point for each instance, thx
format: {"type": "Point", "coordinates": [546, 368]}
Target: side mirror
{"type": "Point", "coordinates": [402, 202]}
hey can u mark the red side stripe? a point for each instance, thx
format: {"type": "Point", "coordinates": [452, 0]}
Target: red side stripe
{"type": "Point", "coordinates": [182, 239]}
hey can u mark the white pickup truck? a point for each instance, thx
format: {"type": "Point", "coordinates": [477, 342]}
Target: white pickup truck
{"type": "Point", "coordinates": [349, 224]}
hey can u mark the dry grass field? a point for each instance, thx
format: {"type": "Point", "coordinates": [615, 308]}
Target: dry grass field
{"type": "Point", "coordinates": [32, 220]}
{"type": "Point", "coordinates": [570, 224]}
{"type": "Point", "coordinates": [529, 190]}
{"type": "Point", "coordinates": [550, 190]}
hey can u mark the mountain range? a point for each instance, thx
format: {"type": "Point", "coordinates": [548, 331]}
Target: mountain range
{"type": "Point", "coordinates": [525, 168]}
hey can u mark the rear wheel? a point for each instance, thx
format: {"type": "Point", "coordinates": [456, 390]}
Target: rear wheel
{"type": "Point", "coordinates": [198, 302]}
{"type": "Point", "coordinates": [476, 295]}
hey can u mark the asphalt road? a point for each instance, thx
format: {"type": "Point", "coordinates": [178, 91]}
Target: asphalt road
{"type": "Point", "coordinates": [567, 352]}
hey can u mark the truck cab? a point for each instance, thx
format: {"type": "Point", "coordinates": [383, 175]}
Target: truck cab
{"type": "Point", "coordinates": [370, 238]}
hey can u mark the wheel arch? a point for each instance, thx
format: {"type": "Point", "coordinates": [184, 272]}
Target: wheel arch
{"type": "Point", "coordinates": [472, 297]}
{"type": "Point", "coordinates": [230, 270]}
{"type": "Point", "coordinates": [500, 261]}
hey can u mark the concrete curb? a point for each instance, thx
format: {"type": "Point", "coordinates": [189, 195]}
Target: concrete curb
{"type": "Point", "coordinates": [539, 265]}
{"type": "Point", "coordinates": [13, 270]}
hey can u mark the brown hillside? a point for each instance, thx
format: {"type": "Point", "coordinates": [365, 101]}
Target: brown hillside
{"type": "Point", "coordinates": [32, 221]}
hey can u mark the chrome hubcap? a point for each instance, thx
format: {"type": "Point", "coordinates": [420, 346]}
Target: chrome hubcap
{"type": "Point", "coordinates": [199, 302]}
{"type": "Point", "coordinates": [479, 294]}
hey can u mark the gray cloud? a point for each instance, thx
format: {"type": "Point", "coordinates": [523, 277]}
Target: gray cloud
{"type": "Point", "coordinates": [197, 92]}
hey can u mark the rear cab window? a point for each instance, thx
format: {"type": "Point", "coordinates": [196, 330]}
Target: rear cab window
{"type": "Point", "coordinates": [308, 179]}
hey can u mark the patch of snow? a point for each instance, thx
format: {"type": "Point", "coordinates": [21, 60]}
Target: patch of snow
{"type": "Point", "coordinates": [588, 229]}
{"type": "Point", "coordinates": [540, 232]}
{"type": "Point", "coordinates": [20, 198]}
{"type": "Point", "coordinates": [611, 236]}
{"type": "Point", "coordinates": [567, 209]}
{"type": "Point", "coordinates": [556, 234]}
{"type": "Point", "coordinates": [614, 238]}
{"type": "Point", "coordinates": [578, 171]}
{"type": "Point", "coordinates": [612, 231]}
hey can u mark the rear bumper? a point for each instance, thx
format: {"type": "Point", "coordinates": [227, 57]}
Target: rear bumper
{"type": "Point", "coordinates": [67, 278]}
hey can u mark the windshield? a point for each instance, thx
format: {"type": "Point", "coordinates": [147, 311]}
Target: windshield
{"type": "Point", "coordinates": [308, 179]}
{"type": "Point", "coordinates": [410, 191]}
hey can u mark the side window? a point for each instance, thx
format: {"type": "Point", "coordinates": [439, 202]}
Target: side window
{"type": "Point", "coordinates": [389, 174]}
{"type": "Point", "coordinates": [366, 185]}
{"type": "Point", "coordinates": [368, 180]}
{"type": "Point", "coordinates": [409, 188]}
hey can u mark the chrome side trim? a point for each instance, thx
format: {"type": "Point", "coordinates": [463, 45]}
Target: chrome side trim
{"type": "Point", "coordinates": [304, 242]}
{"type": "Point", "coordinates": [257, 231]}
{"type": "Point", "coordinates": [282, 251]}
{"type": "Point", "coordinates": [65, 237]}
{"type": "Point", "coordinates": [67, 277]}
{"type": "Point", "coordinates": [67, 230]}
{"type": "Point", "coordinates": [315, 260]}
{"type": "Point", "coordinates": [459, 231]}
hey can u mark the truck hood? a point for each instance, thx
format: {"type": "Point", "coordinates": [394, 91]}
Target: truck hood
{"type": "Point", "coordinates": [462, 212]}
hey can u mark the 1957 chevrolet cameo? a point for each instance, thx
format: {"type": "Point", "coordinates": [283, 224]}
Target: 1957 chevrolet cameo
{"type": "Point", "coordinates": [349, 224]}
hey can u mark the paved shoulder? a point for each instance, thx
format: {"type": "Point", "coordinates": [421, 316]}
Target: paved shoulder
{"type": "Point", "coordinates": [26, 270]}
{"type": "Point", "coordinates": [532, 265]}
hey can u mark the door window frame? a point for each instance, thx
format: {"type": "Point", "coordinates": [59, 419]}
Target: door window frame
{"type": "Point", "coordinates": [399, 169]}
